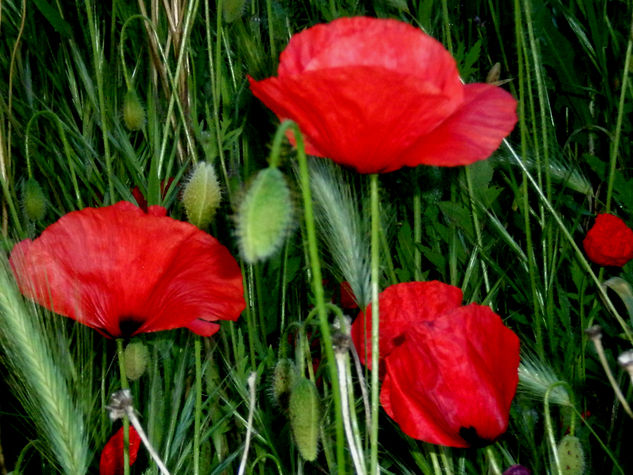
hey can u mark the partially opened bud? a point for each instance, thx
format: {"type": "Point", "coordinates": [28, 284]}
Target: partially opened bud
{"type": "Point", "coordinates": [305, 418]}
{"type": "Point", "coordinates": [133, 111]}
{"type": "Point", "coordinates": [136, 358]}
{"type": "Point", "coordinates": [264, 216]}
{"type": "Point", "coordinates": [33, 200]}
{"type": "Point", "coordinates": [202, 195]}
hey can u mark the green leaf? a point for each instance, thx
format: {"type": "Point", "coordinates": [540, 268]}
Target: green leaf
{"type": "Point", "coordinates": [60, 25]}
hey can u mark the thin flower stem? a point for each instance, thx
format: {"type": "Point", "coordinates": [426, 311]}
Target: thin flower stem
{"type": "Point", "coordinates": [596, 337]}
{"type": "Point", "coordinates": [473, 212]}
{"type": "Point", "coordinates": [549, 428]}
{"type": "Point", "coordinates": [494, 466]}
{"type": "Point", "coordinates": [97, 54]}
{"type": "Point", "coordinates": [249, 426]}
{"type": "Point", "coordinates": [375, 319]}
{"type": "Point", "coordinates": [618, 125]}
{"type": "Point", "coordinates": [141, 433]}
{"type": "Point", "coordinates": [317, 286]}
{"type": "Point", "coordinates": [198, 410]}
{"type": "Point", "coordinates": [355, 451]}
{"type": "Point", "coordinates": [417, 232]}
{"type": "Point", "coordinates": [126, 422]}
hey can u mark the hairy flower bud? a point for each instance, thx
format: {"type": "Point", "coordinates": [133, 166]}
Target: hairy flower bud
{"type": "Point", "coordinates": [571, 456]}
{"type": "Point", "coordinates": [284, 376]}
{"type": "Point", "coordinates": [202, 195]}
{"type": "Point", "coordinates": [136, 357]}
{"type": "Point", "coordinates": [133, 111]}
{"type": "Point", "coordinates": [33, 200]}
{"type": "Point", "coordinates": [305, 417]}
{"type": "Point", "coordinates": [264, 216]}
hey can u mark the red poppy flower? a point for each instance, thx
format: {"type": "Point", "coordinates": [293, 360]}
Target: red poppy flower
{"type": "Point", "coordinates": [449, 372]}
{"type": "Point", "coordinates": [112, 455]}
{"type": "Point", "coordinates": [378, 94]}
{"type": "Point", "coordinates": [123, 272]}
{"type": "Point", "coordinates": [609, 242]}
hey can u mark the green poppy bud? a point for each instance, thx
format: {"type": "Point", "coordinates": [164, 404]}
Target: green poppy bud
{"type": "Point", "coordinates": [265, 215]}
{"type": "Point", "coordinates": [33, 200]}
{"type": "Point", "coordinates": [305, 418]}
{"type": "Point", "coordinates": [136, 358]}
{"type": "Point", "coordinates": [284, 376]}
{"type": "Point", "coordinates": [133, 111]}
{"type": "Point", "coordinates": [202, 195]}
{"type": "Point", "coordinates": [571, 456]}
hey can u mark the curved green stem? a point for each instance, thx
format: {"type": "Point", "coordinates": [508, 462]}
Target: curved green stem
{"type": "Point", "coordinates": [375, 320]}
{"type": "Point", "coordinates": [317, 286]}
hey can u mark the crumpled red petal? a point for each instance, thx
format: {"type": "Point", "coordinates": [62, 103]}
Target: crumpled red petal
{"type": "Point", "coordinates": [111, 462]}
{"type": "Point", "coordinates": [400, 307]}
{"type": "Point", "coordinates": [458, 372]}
{"type": "Point", "coordinates": [123, 272]}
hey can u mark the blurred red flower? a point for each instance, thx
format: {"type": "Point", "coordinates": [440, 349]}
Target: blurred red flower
{"type": "Point", "coordinates": [378, 94]}
{"type": "Point", "coordinates": [123, 272]}
{"type": "Point", "coordinates": [609, 242]}
{"type": "Point", "coordinates": [112, 455]}
{"type": "Point", "coordinates": [449, 372]}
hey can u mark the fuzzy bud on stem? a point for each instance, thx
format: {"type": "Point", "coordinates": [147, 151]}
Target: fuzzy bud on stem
{"type": "Point", "coordinates": [202, 195]}
{"type": "Point", "coordinates": [264, 216]}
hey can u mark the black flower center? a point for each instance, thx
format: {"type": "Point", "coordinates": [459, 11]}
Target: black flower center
{"type": "Point", "coordinates": [128, 324]}
{"type": "Point", "coordinates": [469, 434]}
{"type": "Point", "coordinates": [399, 340]}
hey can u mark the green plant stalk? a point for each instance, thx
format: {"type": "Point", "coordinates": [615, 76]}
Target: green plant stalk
{"type": "Point", "coordinates": [192, 7]}
{"type": "Point", "coordinates": [417, 232]}
{"type": "Point", "coordinates": [492, 460]}
{"type": "Point", "coordinates": [66, 145]}
{"type": "Point", "coordinates": [198, 410]}
{"type": "Point", "coordinates": [375, 320]}
{"type": "Point", "coordinates": [317, 286]}
{"type": "Point", "coordinates": [126, 421]}
{"type": "Point", "coordinates": [214, 71]}
{"type": "Point", "coordinates": [549, 429]}
{"type": "Point", "coordinates": [271, 38]}
{"type": "Point", "coordinates": [476, 225]}
{"type": "Point", "coordinates": [97, 54]}
{"type": "Point", "coordinates": [540, 349]}
{"type": "Point", "coordinates": [615, 145]}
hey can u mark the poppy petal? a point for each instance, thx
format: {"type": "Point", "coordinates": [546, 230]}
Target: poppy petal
{"type": "Point", "coordinates": [453, 380]}
{"type": "Point", "coordinates": [122, 271]}
{"type": "Point", "coordinates": [402, 306]}
{"type": "Point", "coordinates": [111, 462]}
{"type": "Point", "coordinates": [472, 133]}
{"type": "Point", "coordinates": [322, 103]}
